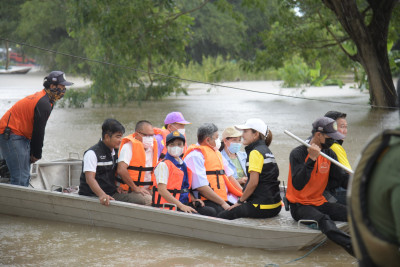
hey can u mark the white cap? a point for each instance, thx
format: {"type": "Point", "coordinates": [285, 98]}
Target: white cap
{"type": "Point", "coordinates": [255, 124]}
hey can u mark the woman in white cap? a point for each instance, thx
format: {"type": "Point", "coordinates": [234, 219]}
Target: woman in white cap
{"type": "Point", "coordinates": [261, 197]}
{"type": "Point", "coordinates": [230, 150]}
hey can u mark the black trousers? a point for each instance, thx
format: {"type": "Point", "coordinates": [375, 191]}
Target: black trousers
{"type": "Point", "coordinates": [325, 215]}
{"type": "Point", "coordinates": [210, 208]}
{"type": "Point", "coordinates": [247, 210]}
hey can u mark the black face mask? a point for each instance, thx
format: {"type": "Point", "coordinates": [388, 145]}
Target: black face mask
{"type": "Point", "coordinates": [328, 143]}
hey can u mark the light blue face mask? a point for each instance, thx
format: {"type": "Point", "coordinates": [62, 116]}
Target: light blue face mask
{"type": "Point", "coordinates": [235, 147]}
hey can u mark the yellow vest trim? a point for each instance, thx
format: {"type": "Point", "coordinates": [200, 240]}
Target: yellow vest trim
{"type": "Point", "coordinates": [268, 206]}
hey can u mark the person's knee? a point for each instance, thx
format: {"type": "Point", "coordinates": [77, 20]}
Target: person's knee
{"type": "Point", "coordinates": [208, 211]}
{"type": "Point", "coordinates": [147, 200]}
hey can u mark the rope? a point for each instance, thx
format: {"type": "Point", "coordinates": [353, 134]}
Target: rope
{"type": "Point", "coordinates": [188, 80]}
{"type": "Point", "coordinates": [302, 257]}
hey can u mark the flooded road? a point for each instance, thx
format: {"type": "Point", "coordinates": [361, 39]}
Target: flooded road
{"type": "Point", "coordinates": [26, 241]}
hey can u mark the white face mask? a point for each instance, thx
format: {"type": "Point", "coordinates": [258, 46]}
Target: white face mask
{"type": "Point", "coordinates": [175, 151]}
{"type": "Point", "coordinates": [147, 141]}
{"type": "Point", "coordinates": [217, 144]}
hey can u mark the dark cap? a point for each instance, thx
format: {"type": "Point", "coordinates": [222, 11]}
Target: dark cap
{"type": "Point", "coordinates": [175, 135]}
{"type": "Point", "coordinates": [57, 77]}
{"type": "Point", "coordinates": [335, 115]}
{"type": "Point", "coordinates": [327, 126]}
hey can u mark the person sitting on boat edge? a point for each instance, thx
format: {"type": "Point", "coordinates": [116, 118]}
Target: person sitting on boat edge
{"type": "Point", "coordinates": [174, 121]}
{"type": "Point", "coordinates": [22, 127]}
{"type": "Point", "coordinates": [212, 178]}
{"type": "Point", "coordinates": [137, 158]}
{"type": "Point", "coordinates": [100, 165]}
{"type": "Point", "coordinates": [261, 195]}
{"type": "Point", "coordinates": [230, 150]}
{"type": "Point", "coordinates": [309, 175]}
{"type": "Point", "coordinates": [174, 179]}
{"type": "Point", "coordinates": [339, 193]}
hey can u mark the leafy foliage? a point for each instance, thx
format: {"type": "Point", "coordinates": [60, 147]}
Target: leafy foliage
{"type": "Point", "coordinates": [144, 35]}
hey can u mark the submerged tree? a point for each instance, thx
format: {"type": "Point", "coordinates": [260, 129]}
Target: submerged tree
{"type": "Point", "coordinates": [368, 29]}
{"type": "Point", "coordinates": [322, 29]}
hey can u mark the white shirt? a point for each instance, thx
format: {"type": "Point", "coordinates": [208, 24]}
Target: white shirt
{"type": "Point", "coordinates": [126, 156]}
{"type": "Point", "coordinates": [162, 172]}
{"type": "Point", "coordinates": [90, 161]}
{"type": "Point", "coordinates": [195, 162]}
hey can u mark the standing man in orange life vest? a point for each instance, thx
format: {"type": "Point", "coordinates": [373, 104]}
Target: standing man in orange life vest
{"type": "Point", "coordinates": [22, 127]}
{"type": "Point", "coordinates": [136, 162]}
{"type": "Point", "coordinates": [212, 179]}
{"type": "Point", "coordinates": [174, 121]}
{"type": "Point", "coordinates": [310, 174]}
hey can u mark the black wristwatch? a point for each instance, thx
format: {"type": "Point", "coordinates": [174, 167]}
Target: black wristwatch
{"type": "Point", "coordinates": [239, 201]}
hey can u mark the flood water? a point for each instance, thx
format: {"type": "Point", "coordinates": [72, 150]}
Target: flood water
{"type": "Point", "coordinates": [25, 241]}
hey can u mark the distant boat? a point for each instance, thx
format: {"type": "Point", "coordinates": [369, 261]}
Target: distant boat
{"type": "Point", "coordinates": [15, 70]}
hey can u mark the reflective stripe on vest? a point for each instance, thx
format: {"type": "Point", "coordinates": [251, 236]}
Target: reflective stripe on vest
{"type": "Point", "coordinates": [174, 185]}
{"type": "Point", "coordinates": [268, 206]}
{"type": "Point", "coordinates": [138, 160]}
{"type": "Point", "coordinates": [312, 192]}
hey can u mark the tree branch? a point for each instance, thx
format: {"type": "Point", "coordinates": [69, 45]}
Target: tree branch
{"type": "Point", "coordinates": [338, 42]}
{"type": "Point", "coordinates": [188, 11]}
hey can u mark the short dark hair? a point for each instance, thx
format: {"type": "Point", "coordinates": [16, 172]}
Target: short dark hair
{"type": "Point", "coordinates": [110, 127]}
{"type": "Point", "coordinates": [140, 124]}
{"type": "Point", "coordinates": [335, 115]}
{"type": "Point", "coordinates": [206, 130]}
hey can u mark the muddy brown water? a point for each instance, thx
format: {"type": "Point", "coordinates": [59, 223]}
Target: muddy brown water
{"type": "Point", "coordinates": [25, 241]}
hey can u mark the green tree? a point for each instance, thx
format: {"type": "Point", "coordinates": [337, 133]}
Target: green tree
{"type": "Point", "coordinates": [43, 23]}
{"type": "Point", "coordinates": [9, 20]}
{"type": "Point", "coordinates": [214, 32]}
{"type": "Point", "coordinates": [309, 28]}
{"type": "Point", "coordinates": [147, 35]}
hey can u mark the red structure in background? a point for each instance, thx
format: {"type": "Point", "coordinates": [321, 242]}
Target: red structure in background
{"type": "Point", "coordinates": [20, 60]}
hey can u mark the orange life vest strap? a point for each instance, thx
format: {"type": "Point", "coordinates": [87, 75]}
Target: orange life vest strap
{"type": "Point", "coordinates": [174, 192]}
{"type": "Point", "coordinates": [138, 182]}
{"type": "Point", "coordinates": [217, 173]}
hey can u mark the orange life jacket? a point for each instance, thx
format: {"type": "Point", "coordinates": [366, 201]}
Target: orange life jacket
{"type": "Point", "coordinates": [22, 115]}
{"type": "Point", "coordinates": [174, 185]}
{"type": "Point", "coordinates": [215, 170]}
{"type": "Point", "coordinates": [312, 192]}
{"type": "Point", "coordinates": [138, 162]}
{"type": "Point", "coordinates": [163, 132]}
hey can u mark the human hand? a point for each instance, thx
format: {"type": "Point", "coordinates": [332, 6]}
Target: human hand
{"type": "Point", "coordinates": [105, 199]}
{"type": "Point", "coordinates": [141, 190]}
{"type": "Point", "coordinates": [313, 151]}
{"type": "Point", "coordinates": [243, 180]}
{"type": "Point", "coordinates": [33, 159]}
{"type": "Point", "coordinates": [200, 202]}
{"type": "Point", "coordinates": [187, 209]}
{"type": "Point", "coordinates": [225, 206]}
{"type": "Point", "coordinates": [121, 191]}
{"type": "Point", "coordinates": [234, 206]}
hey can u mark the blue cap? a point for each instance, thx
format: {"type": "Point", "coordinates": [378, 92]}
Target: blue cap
{"type": "Point", "coordinates": [175, 135]}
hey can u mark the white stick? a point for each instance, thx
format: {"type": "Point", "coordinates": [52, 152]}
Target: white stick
{"type": "Point", "coordinates": [321, 153]}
